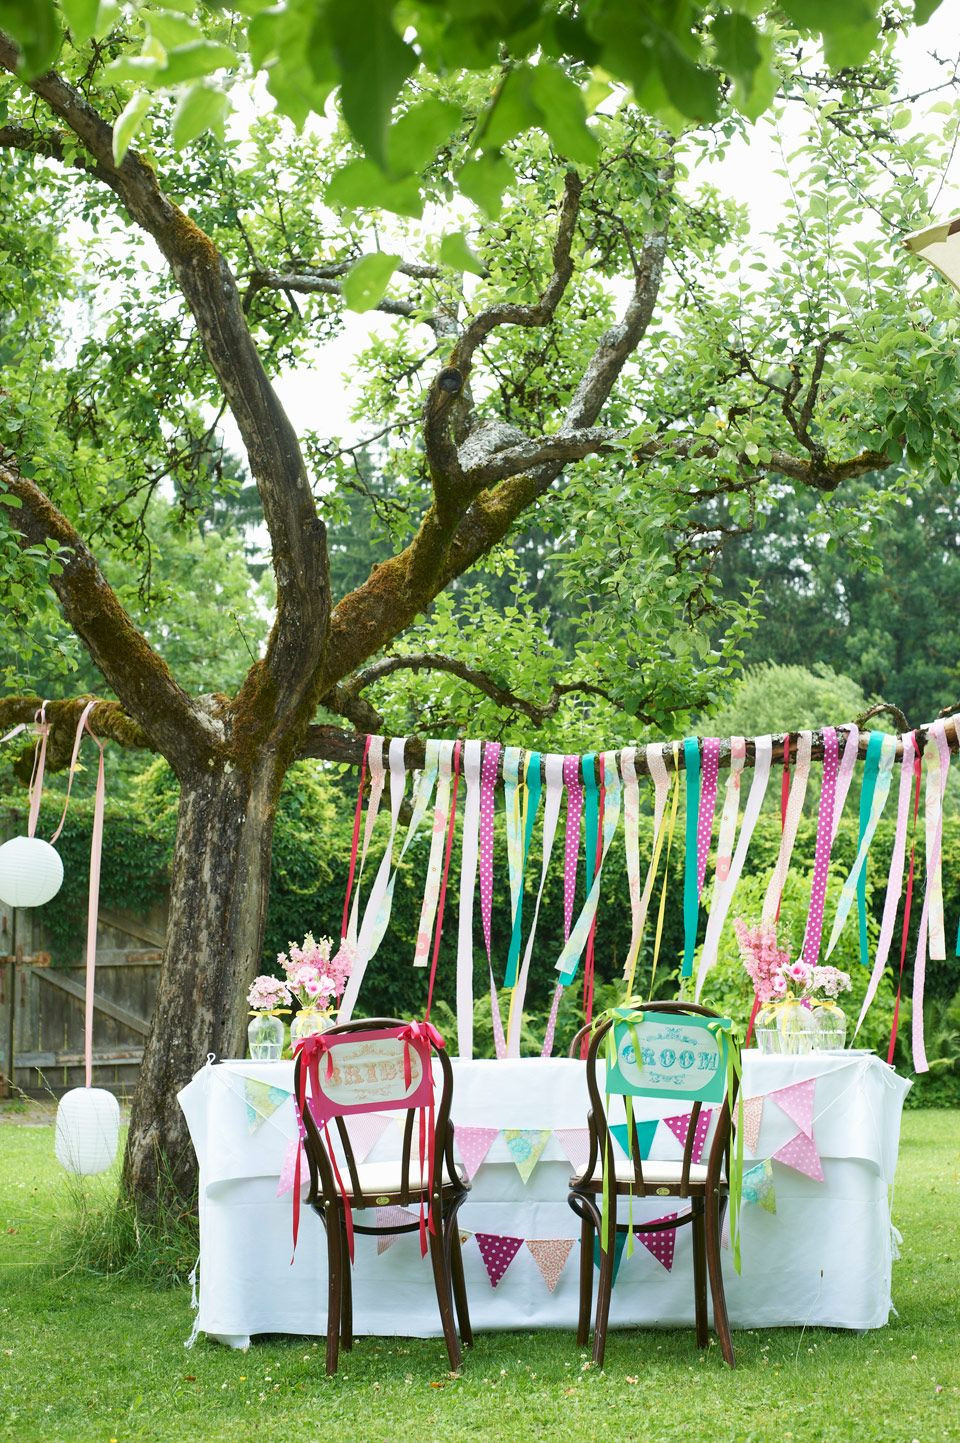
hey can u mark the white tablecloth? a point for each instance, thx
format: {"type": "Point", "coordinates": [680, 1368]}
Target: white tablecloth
{"type": "Point", "coordinates": [824, 1258]}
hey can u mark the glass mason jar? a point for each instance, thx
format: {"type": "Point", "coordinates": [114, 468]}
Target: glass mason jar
{"type": "Point", "coordinates": [766, 1033]}
{"type": "Point", "coordinates": [797, 1028]}
{"type": "Point", "coordinates": [831, 1023]}
{"type": "Point", "coordinates": [265, 1037]}
{"type": "Point", "coordinates": [307, 1021]}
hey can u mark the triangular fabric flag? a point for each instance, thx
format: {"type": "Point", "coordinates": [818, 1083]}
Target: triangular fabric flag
{"type": "Point", "coordinates": [575, 1142]}
{"type": "Point", "coordinates": [392, 1217]}
{"type": "Point", "coordinates": [497, 1253]}
{"type": "Point", "coordinates": [551, 1256]}
{"type": "Point", "coordinates": [619, 1242]}
{"type": "Point", "coordinates": [526, 1147]}
{"type": "Point", "coordinates": [752, 1118]}
{"type": "Point", "coordinates": [473, 1144]}
{"type": "Point", "coordinates": [758, 1186]}
{"type": "Point", "coordinates": [801, 1154]}
{"type": "Point", "coordinates": [365, 1130]}
{"type": "Point", "coordinates": [797, 1102]}
{"type": "Point", "coordinates": [680, 1126]}
{"type": "Point", "coordinates": [646, 1132]}
{"type": "Point", "coordinates": [661, 1245]}
{"type": "Point", "coordinates": [289, 1169]}
{"type": "Point", "coordinates": [262, 1100]}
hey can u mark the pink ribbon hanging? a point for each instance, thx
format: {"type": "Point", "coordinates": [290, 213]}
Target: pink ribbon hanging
{"type": "Point", "coordinates": [571, 851]}
{"type": "Point", "coordinates": [821, 865]}
{"type": "Point", "coordinates": [489, 772]}
{"type": "Point", "coordinates": [710, 761]}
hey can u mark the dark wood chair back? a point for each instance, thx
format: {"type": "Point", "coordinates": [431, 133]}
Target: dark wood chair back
{"type": "Point", "coordinates": [601, 1143]}
{"type": "Point", "coordinates": [347, 1053]}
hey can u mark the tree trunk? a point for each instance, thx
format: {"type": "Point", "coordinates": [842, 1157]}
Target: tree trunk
{"type": "Point", "coordinates": [218, 901]}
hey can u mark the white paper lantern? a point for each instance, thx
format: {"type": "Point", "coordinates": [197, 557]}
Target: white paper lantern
{"type": "Point", "coordinates": [31, 872]}
{"type": "Point", "coordinates": [88, 1126]}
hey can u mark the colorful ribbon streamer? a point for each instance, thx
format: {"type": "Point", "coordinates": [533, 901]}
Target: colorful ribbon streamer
{"type": "Point", "coordinates": [472, 752]}
{"type": "Point", "coordinates": [931, 918]}
{"type": "Point", "coordinates": [791, 821]}
{"type": "Point", "coordinates": [431, 890]}
{"type": "Point", "coordinates": [576, 942]}
{"type": "Point", "coordinates": [531, 801]}
{"type": "Point", "coordinates": [489, 771]}
{"type": "Point", "coordinates": [661, 784]}
{"type": "Point", "coordinates": [883, 750]}
{"type": "Point", "coordinates": [825, 835]}
{"type": "Point", "coordinates": [691, 891]}
{"type": "Point", "coordinates": [553, 768]}
{"type": "Point", "coordinates": [895, 874]}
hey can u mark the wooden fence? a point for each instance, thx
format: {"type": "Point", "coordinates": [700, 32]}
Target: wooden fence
{"type": "Point", "coordinates": [42, 1005]}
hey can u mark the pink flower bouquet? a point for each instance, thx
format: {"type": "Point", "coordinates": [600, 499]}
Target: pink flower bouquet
{"type": "Point", "coordinates": [313, 976]}
{"type": "Point", "coordinates": [798, 1008]}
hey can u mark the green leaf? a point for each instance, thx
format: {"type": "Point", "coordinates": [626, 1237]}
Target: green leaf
{"type": "Point", "coordinates": [81, 16]}
{"type": "Point", "coordinates": [513, 110]}
{"type": "Point", "coordinates": [34, 28]}
{"type": "Point", "coordinates": [416, 137]}
{"type": "Point", "coordinates": [455, 252]}
{"type": "Point", "coordinates": [373, 63]}
{"type": "Point", "coordinates": [849, 30]}
{"type": "Point", "coordinates": [200, 108]}
{"type": "Point", "coordinates": [128, 122]}
{"type": "Point", "coordinates": [365, 283]}
{"type": "Point", "coordinates": [923, 9]}
{"type": "Point", "coordinates": [563, 113]}
{"type": "Point", "coordinates": [200, 57]}
{"type": "Point", "coordinates": [484, 180]}
{"type": "Point", "coordinates": [172, 30]}
{"type": "Point", "coordinates": [691, 88]}
{"type": "Point", "coordinates": [745, 55]}
{"type": "Point", "coordinates": [359, 185]}
{"type": "Point", "coordinates": [14, 502]}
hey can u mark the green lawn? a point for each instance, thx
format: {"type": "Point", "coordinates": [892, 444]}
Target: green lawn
{"type": "Point", "coordinates": [87, 1357]}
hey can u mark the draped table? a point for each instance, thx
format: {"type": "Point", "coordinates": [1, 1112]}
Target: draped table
{"type": "Point", "coordinates": [823, 1258]}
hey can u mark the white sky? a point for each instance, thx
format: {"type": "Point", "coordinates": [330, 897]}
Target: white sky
{"type": "Point", "coordinates": [319, 397]}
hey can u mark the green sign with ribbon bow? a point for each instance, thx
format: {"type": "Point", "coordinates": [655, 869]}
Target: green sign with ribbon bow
{"type": "Point", "coordinates": [682, 1057]}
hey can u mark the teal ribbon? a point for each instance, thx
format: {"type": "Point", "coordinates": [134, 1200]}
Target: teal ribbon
{"type": "Point", "coordinates": [718, 1026]}
{"type": "Point", "coordinates": [868, 787]}
{"type": "Point", "coordinates": [591, 812]}
{"type": "Point", "coordinates": [623, 1017]}
{"type": "Point", "coordinates": [534, 786]}
{"type": "Point", "coordinates": [691, 898]}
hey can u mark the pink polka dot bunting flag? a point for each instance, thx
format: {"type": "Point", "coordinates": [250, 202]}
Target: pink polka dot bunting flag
{"type": "Point", "coordinates": [551, 1256]}
{"type": "Point", "coordinates": [752, 1119]}
{"type": "Point", "coordinates": [392, 1217]}
{"type": "Point", "coordinates": [288, 1170]}
{"type": "Point", "coordinates": [575, 1142]}
{"type": "Point", "coordinates": [473, 1144]}
{"type": "Point", "coordinates": [526, 1147]}
{"type": "Point", "coordinates": [797, 1102]}
{"type": "Point", "coordinates": [497, 1253]}
{"type": "Point", "coordinates": [680, 1126]}
{"type": "Point", "coordinates": [661, 1245]}
{"type": "Point", "coordinates": [801, 1154]}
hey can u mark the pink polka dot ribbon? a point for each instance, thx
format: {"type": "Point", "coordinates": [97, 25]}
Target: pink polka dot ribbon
{"type": "Point", "coordinates": [821, 864]}
{"type": "Point", "coordinates": [710, 761]}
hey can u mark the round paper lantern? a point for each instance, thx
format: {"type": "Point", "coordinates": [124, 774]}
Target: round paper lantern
{"type": "Point", "coordinates": [88, 1126]}
{"type": "Point", "coordinates": [31, 872]}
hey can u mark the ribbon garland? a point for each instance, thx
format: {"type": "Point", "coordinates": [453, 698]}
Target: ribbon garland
{"type": "Point", "coordinates": [691, 894]}
{"type": "Point", "coordinates": [905, 926]}
{"type": "Point", "coordinates": [895, 875]}
{"type": "Point", "coordinates": [931, 918]}
{"type": "Point", "coordinates": [531, 802]}
{"type": "Point", "coordinates": [357, 814]}
{"type": "Point", "coordinates": [588, 962]}
{"type": "Point", "coordinates": [431, 891]}
{"type": "Point", "coordinates": [708, 803]}
{"type": "Point", "coordinates": [571, 849]}
{"type": "Point", "coordinates": [881, 750]}
{"type": "Point", "coordinates": [468, 888]}
{"type": "Point", "coordinates": [574, 946]}
{"type": "Point", "coordinates": [446, 873]}
{"type": "Point", "coordinates": [825, 835]}
{"type": "Point", "coordinates": [553, 768]}
{"type": "Point", "coordinates": [666, 866]}
{"type": "Point", "coordinates": [489, 771]}
{"type": "Point", "coordinates": [790, 821]}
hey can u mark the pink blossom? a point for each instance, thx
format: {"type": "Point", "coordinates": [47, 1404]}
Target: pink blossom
{"type": "Point", "coordinates": [267, 994]}
{"type": "Point", "coordinates": [778, 987]}
{"type": "Point", "coordinates": [799, 972]}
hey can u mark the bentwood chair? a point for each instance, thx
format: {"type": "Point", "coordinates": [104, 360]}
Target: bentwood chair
{"type": "Point", "coordinates": [372, 1065]}
{"type": "Point", "coordinates": [682, 1060]}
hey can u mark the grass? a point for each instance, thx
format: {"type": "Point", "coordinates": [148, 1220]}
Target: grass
{"type": "Point", "coordinates": [90, 1356]}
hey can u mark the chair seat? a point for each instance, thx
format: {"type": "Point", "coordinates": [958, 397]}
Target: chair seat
{"type": "Point", "coordinates": [655, 1174]}
{"type": "Point", "coordinates": [379, 1179]}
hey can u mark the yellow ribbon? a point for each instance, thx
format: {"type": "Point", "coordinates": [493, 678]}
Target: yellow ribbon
{"type": "Point", "coordinates": [275, 1012]}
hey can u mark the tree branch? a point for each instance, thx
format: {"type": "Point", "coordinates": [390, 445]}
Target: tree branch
{"type": "Point", "coordinates": [170, 718]}
{"type": "Point", "coordinates": [314, 282]}
{"type": "Point", "coordinates": [297, 640]}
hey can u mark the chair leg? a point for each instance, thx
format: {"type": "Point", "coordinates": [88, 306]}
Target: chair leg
{"type": "Point", "coordinates": [334, 1287]}
{"type": "Point", "coordinates": [459, 1285]}
{"type": "Point", "coordinates": [346, 1290]}
{"type": "Point", "coordinates": [442, 1283]}
{"type": "Point", "coordinates": [586, 1279]}
{"type": "Point", "coordinates": [700, 1276]}
{"type": "Point", "coordinates": [716, 1279]}
{"type": "Point", "coordinates": [604, 1294]}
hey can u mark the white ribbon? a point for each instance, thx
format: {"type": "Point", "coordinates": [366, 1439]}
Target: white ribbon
{"type": "Point", "coordinates": [725, 887]}
{"type": "Point", "coordinates": [577, 941]}
{"type": "Point", "coordinates": [661, 788]}
{"type": "Point", "coordinates": [798, 791]}
{"type": "Point", "coordinates": [894, 877]}
{"type": "Point", "coordinates": [375, 761]}
{"type": "Point", "coordinates": [468, 888]}
{"type": "Point", "coordinates": [845, 772]}
{"type": "Point", "coordinates": [888, 752]}
{"type": "Point", "coordinates": [553, 772]}
{"type": "Point", "coordinates": [431, 888]}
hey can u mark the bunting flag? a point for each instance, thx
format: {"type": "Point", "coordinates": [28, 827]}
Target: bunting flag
{"type": "Point", "coordinates": [758, 1185]}
{"type": "Point", "coordinates": [619, 1243]}
{"type": "Point", "coordinates": [801, 1154]}
{"type": "Point", "coordinates": [288, 1170]}
{"type": "Point", "coordinates": [473, 1144]}
{"type": "Point", "coordinates": [497, 1253]}
{"type": "Point", "coordinates": [680, 1126]}
{"type": "Point", "coordinates": [365, 1130]}
{"type": "Point", "coordinates": [262, 1100]}
{"type": "Point", "coordinates": [752, 1118]}
{"type": "Point", "coordinates": [526, 1147]}
{"type": "Point", "coordinates": [646, 1131]}
{"type": "Point", "coordinates": [797, 1102]}
{"type": "Point", "coordinates": [395, 1217]}
{"type": "Point", "coordinates": [661, 1245]}
{"type": "Point", "coordinates": [550, 1255]}
{"type": "Point", "coordinates": [575, 1142]}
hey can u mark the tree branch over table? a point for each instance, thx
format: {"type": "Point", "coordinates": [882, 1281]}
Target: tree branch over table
{"type": "Point", "coordinates": [298, 537]}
